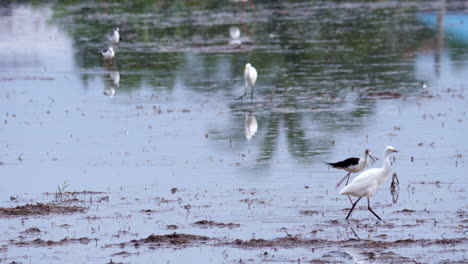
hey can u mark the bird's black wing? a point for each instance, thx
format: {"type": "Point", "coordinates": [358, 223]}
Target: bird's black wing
{"type": "Point", "coordinates": [345, 163]}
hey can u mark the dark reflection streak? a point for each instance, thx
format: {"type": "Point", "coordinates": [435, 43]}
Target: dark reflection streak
{"type": "Point", "coordinates": [270, 141]}
{"type": "Point", "coordinates": [440, 37]}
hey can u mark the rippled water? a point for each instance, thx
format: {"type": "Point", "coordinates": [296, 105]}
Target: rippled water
{"type": "Point", "coordinates": [334, 78]}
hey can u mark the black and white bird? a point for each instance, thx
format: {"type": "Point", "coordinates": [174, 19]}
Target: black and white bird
{"type": "Point", "coordinates": [115, 37]}
{"type": "Point", "coordinates": [352, 165]}
{"type": "Point", "coordinates": [108, 54]}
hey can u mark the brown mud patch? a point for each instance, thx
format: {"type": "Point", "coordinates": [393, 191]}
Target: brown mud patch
{"type": "Point", "coordinates": [385, 95]}
{"type": "Point", "coordinates": [40, 209]}
{"type": "Point", "coordinates": [171, 239]}
{"type": "Point", "coordinates": [296, 242]}
{"type": "Point", "coordinates": [207, 224]}
{"type": "Point", "coordinates": [48, 243]}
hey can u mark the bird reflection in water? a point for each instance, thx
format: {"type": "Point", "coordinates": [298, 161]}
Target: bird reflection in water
{"type": "Point", "coordinates": [250, 125]}
{"type": "Point", "coordinates": [115, 76]}
{"type": "Point", "coordinates": [395, 188]}
{"type": "Point", "coordinates": [112, 84]}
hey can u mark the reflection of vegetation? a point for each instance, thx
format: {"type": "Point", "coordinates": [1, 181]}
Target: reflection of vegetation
{"type": "Point", "coordinates": [315, 60]}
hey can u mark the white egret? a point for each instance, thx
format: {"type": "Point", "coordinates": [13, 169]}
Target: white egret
{"type": "Point", "coordinates": [234, 34]}
{"type": "Point", "coordinates": [250, 77]}
{"type": "Point", "coordinates": [115, 37]}
{"type": "Point", "coordinates": [250, 125]}
{"type": "Point", "coordinates": [352, 165]}
{"type": "Point", "coordinates": [366, 183]}
{"type": "Point", "coordinates": [108, 54]}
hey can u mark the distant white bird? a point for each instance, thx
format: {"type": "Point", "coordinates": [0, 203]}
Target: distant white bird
{"type": "Point", "coordinates": [108, 54]}
{"type": "Point", "coordinates": [234, 34]}
{"type": "Point", "coordinates": [250, 77]}
{"type": "Point", "coordinates": [250, 125]}
{"type": "Point", "coordinates": [115, 37]}
{"type": "Point", "coordinates": [366, 183]}
{"type": "Point", "coordinates": [352, 165]}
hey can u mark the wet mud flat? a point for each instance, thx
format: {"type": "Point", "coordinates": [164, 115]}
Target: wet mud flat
{"type": "Point", "coordinates": [134, 226]}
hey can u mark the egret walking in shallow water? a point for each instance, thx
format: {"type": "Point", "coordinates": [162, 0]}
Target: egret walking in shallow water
{"type": "Point", "coordinates": [352, 165]}
{"type": "Point", "coordinates": [250, 77]}
{"type": "Point", "coordinates": [366, 183]}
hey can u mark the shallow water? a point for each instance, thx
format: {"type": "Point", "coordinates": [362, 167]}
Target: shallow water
{"type": "Point", "coordinates": [334, 79]}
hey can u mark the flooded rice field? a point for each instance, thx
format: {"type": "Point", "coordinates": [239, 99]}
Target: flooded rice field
{"type": "Point", "coordinates": [151, 157]}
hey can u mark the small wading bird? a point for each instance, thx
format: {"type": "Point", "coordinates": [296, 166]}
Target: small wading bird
{"type": "Point", "coordinates": [366, 183]}
{"type": "Point", "coordinates": [108, 54]}
{"type": "Point", "coordinates": [115, 37]}
{"type": "Point", "coordinates": [250, 77]}
{"type": "Point", "coordinates": [352, 165]}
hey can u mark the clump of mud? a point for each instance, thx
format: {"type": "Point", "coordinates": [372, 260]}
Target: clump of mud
{"type": "Point", "coordinates": [48, 243]}
{"type": "Point", "coordinates": [174, 239]}
{"type": "Point", "coordinates": [206, 224]}
{"type": "Point", "coordinates": [40, 209]}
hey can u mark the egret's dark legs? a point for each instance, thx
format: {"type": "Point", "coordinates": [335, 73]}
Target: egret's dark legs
{"type": "Point", "coordinates": [251, 93]}
{"type": "Point", "coordinates": [347, 176]}
{"type": "Point", "coordinates": [368, 207]}
{"type": "Point", "coordinates": [242, 96]}
{"type": "Point", "coordinates": [354, 205]}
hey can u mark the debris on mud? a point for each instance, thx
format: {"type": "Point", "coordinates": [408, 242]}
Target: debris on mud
{"type": "Point", "coordinates": [309, 212]}
{"type": "Point", "coordinates": [385, 95]}
{"type": "Point", "coordinates": [66, 240]}
{"type": "Point", "coordinates": [40, 209]}
{"type": "Point", "coordinates": [173, 238]}
{"type": "Point", "coordinates": [32, 230]}
{"type": "Point", "coordinates": [206, 224]}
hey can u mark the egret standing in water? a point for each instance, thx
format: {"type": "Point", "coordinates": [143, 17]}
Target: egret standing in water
{"type": "Point", "coordinates": [250, 77]}
{"type": "Point", "coordinates": [366, 183]}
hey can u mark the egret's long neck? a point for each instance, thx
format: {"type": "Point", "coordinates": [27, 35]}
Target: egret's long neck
{"type": "Point", "coordinates": [386, 168]}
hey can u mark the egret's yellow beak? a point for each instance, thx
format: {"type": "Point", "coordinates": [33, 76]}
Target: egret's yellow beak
{"type": "Point", "coordinates": [394, 150]}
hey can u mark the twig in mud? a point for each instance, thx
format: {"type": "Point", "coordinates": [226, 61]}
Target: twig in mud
{"type": "Point", "coordinates": [195, 196]}
{"type": "Point", "coordinates": [187, 207]}
{"type": "Point", "coordinates": [224, 254]}
{"type": "Point", "coordinates": [53, 101]}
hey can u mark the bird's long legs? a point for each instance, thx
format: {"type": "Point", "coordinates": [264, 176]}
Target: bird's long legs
{"type": "Point", "coordinates": [245, 92]}
{"type": "Point", "coordinates": [368, 207]}
{"type": "Point", "coordinates": [347, 176]}
{"type": "Point", "coordinates": [339, 183]}
{"type": "Point", "coordinates": [354, 205]}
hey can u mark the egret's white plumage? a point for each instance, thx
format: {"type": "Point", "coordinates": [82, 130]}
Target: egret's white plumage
{"type": "Point", "coordinates": [250, 77]}
{"type": "Point", "coordinates": [108, 54]}
{"type": "Point", "coordinates": [250, 125]}
{"type": "Point", "coordinates": [366, 183]}
{"type": "Point", "coordinates": [115, 37]}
